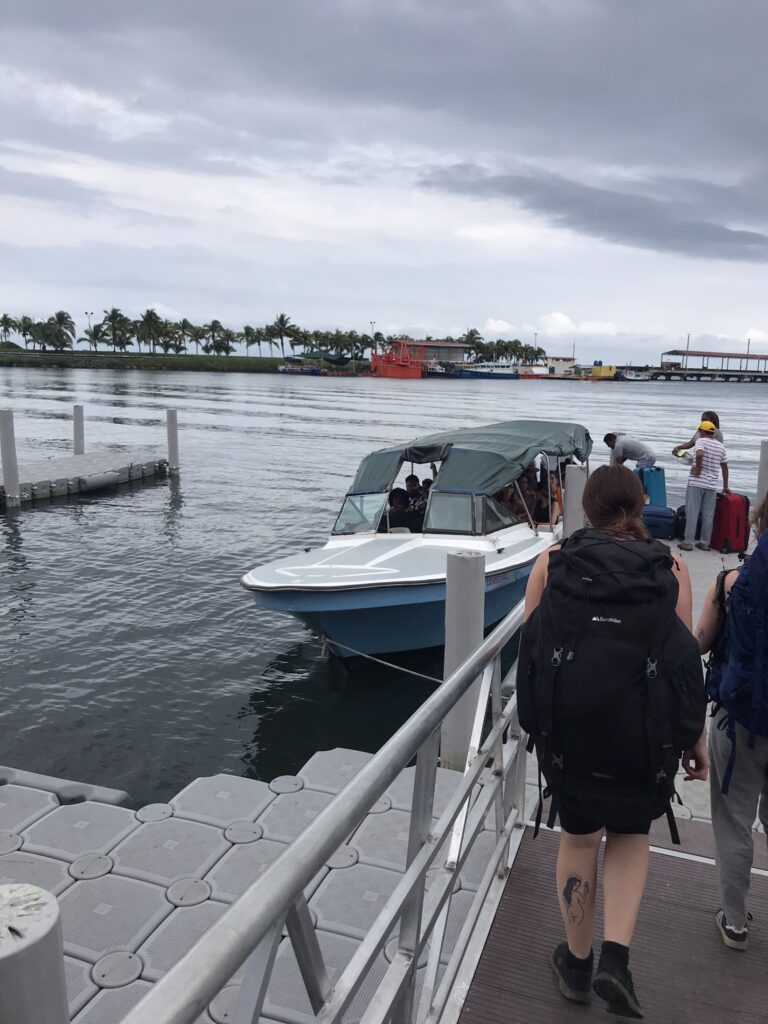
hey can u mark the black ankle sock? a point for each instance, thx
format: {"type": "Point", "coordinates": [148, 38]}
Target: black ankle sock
{"type": "Point", "coordinates": [616, 952]}
{"type": "Point", "coordinates": [577, 964]}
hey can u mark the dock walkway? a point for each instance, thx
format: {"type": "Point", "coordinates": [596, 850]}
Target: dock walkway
{"type": "Point", "coordinates": [683, 972]}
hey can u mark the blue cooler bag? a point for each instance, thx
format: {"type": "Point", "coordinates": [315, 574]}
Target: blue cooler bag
{"type": "Point", "coordinates": [660, 522]}
{"type": "Point", "coordinates": [654, 484]}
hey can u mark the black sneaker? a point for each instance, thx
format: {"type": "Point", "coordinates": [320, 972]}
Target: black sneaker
{"type": "Point", "coordinates": [574, 983]}
{"type": "Point", "coordinates": [732, 937]}
{"type": "Point", "coordinates": [613, 983]}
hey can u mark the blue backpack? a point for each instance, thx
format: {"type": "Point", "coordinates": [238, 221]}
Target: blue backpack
{"type": "Point", "coordinates": [737, 675]}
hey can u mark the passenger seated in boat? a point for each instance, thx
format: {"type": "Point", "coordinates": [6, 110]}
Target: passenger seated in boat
{"type": "Point", "coordinates": [507, 497]}
{"type": "Point", "coordinates": [399, 514]}
{"type": "Point", "coordinates": [544, 510]}
{"type": "Point", "coordinates": [417, 499]}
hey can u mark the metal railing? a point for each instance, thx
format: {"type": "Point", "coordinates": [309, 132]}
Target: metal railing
{"type": "Point", "coordinates": [251, 930]}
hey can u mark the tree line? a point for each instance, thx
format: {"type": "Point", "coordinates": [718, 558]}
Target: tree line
{"type": "Point", "coordinates": [119, 332]}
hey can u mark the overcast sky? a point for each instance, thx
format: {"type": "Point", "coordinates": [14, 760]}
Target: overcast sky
{"type": "Point", "coordinates": [590, 170]}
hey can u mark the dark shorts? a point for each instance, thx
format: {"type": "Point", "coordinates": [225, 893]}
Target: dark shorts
{"type": "Point", "coordinates": [578, 826]}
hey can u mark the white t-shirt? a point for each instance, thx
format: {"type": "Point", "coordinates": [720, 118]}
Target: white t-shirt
{"type": "Point", "coordinates": [713, 456]}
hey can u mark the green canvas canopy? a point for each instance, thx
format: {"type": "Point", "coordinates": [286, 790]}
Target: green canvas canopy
{"type": "Point", "coordinates": [480, 460]}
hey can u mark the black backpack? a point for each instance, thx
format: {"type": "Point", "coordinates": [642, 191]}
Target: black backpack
{"type": "Point", "coordinates": [609, 681]}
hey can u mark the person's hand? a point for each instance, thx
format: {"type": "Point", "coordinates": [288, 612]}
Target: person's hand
{"type": "Point", "coordinates": [695, 761]}
{"type": "Point", "coordinates": [675, 451]}
{"type": "Point", "coordinates": [726, 490]}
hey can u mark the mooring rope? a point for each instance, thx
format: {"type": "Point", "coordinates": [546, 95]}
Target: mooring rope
{"type": "Point", "coordinates": [380, 661]}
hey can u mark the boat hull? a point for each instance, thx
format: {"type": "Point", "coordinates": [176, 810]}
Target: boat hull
{"type": "Point", "coordinates": [386, 620]}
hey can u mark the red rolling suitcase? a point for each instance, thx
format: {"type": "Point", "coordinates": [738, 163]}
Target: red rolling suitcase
{"type": "Point", "coordinates": [731, 527]}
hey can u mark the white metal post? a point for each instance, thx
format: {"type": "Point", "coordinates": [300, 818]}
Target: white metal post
{"type": "Point", "coordinates": [8, 459]}
{"type": "Point", "coordinates": [573, 511]}
{"type": "Point", "coordinates": [79, 431]}
{"type": "Point", "coordinates": [172, 426]}
{"type": "Point", "coordinates": [32, 985]}
{"type": "Point", "coordinates": [762, 472]}
{"type": "Point", "coordinates": [464, 619]}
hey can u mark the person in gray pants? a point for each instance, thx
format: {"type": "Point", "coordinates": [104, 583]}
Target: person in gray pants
{"type": "Point", "coordinates": [734, 813]}
{"type": "Point", "coordinates": [709, 462]}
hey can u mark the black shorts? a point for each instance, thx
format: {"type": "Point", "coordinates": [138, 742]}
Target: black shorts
{"type": "Point", "coordinates": [575, 825]}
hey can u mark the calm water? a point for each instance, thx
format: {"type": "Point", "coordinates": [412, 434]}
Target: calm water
{"type": "Point", "coordinates": [130, 654]}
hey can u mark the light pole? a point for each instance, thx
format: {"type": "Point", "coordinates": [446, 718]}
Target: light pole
{"type": "Point", "coordinates": [89, 315]}
{"type": "Point", "coordinates": [373, 343]}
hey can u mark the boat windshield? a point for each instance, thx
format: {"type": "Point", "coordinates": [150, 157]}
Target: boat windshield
{"type": "Point", "coordinates": [360, 513]}
{"type": "Point", "coordinates": [449, 513]}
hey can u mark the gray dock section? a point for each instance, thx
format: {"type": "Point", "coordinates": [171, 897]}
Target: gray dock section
{"type": "Point", "coordinates": [75, 474]}
{"type": "Point", "coordinates": [79, 472]}
{"type": "Point", "coordinates": [138, 888]}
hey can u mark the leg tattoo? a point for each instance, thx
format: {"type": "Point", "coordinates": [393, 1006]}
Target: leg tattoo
{"type": "Point", "coordinates": [575, 896]}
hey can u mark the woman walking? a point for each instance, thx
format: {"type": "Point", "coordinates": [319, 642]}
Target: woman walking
{"type": "Point", "coordinates": [610, 688]}
{"type": "Point", "coordinates": [732, 626]}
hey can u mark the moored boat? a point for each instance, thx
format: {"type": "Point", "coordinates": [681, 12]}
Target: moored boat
{"type": "Point", "coordinates": [376, 587]}
{"type": "Point", "coordinates": [399, 361]}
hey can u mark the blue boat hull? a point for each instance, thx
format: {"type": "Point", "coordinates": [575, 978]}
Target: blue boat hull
{"type": "Point", "coordinates": [487, 375]}
{"type": "Point", "coordinates": [385, 620]}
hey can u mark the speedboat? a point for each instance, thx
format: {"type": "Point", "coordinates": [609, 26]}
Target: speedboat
{"type": "Point", "coordinates": [376, 587]}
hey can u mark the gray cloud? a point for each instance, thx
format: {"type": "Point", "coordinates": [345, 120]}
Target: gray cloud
{"type": "Point", "coordinates": [625, 215]}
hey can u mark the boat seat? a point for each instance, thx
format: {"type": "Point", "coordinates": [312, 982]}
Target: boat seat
{"type": "Point", "coordinates": [399, 529]}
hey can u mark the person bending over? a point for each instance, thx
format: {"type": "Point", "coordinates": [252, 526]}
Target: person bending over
{"type": "Point", "coordinates": [624, 447]}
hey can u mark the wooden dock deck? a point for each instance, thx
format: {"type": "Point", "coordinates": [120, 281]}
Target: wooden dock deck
{"type": "Point", "coordinates": [683, 973]}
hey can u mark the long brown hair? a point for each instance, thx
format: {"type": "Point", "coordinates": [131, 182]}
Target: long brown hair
{"type": "Point", "coordinates": [613, 501]}
{"type": "Point", "coordinates": [760, 517]}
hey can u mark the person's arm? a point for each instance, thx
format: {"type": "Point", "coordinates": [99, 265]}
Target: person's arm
{"type": "Point", "coordinates": [698, 460]}
{"type": "Point", "coordinates": [684, 607]}
{"type": "Point", "coordinates": [710, 615]}
{"type": "Point", "coordinates": [536, 582]}
{"type": "Point", "coordinates": [724, 467]}
{"type": "Point", "coordinates": [688, 444]}
{"type": "Point", "coordinates": [695, 762]}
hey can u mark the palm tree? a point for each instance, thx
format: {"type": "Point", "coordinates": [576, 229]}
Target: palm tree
{"type": "Point", "coordinates": [93, 335]}
{"type": "Point", "coordinates": [151, 327]}
{"type": "Point", "coordinates": [196, 334]}
{"type": "Point", "coordinates": [41, 334]}
{"type": "Point", "coordinates": [116, 324]}
{"type": "Point", "coordinates": [61, 330]}
{"type": "Point", "coordinates": [7, 326]}
{"type": "Point", "coordinates": [226, 342]}
{"type": "Point", "coordinates": [24, 327]}
{"type": "Point", "coordinates": [282, 328]}
{"type": "Point", "coordinates": [212, 331]}
{"type": "Point", "coordinates": [184, 329]}
{"type": "Point", "coordinates": [252, 336]}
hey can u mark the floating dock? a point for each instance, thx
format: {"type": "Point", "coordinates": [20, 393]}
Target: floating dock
{"type": "Point", "coordinates": [138, 888]}
{"type": "Point", "coordinates": [80, 472]}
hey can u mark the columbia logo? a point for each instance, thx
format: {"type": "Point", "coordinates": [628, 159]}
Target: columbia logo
{"type": "Point", "coordinates": [605, 618]}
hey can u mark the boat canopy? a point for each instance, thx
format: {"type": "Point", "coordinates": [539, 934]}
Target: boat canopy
{"type": "Point", "coordinates": [476, 460]}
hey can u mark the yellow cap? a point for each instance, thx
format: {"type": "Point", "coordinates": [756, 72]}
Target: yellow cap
{"type": "Point", "coordinates": [707, 426]}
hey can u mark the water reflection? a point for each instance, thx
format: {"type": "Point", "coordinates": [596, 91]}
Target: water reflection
{"type": "Point", "coordinates": [172, 509]}
{"type": "Point", "coordinates": [17, 603]}
{"type": "Point", "coordinates": [304, 703]}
